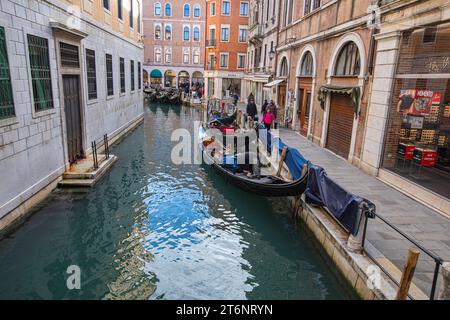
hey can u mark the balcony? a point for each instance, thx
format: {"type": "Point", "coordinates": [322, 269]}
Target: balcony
{"type": "Point", "coordinates": [211, 43]}
{"type": "Point", "coordinates": [256, 34]}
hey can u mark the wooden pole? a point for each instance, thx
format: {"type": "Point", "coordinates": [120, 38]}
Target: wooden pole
{"type": "Point", "coordinates": [283, 157]}
{"type": "Point", "coordinates": [408, 273]}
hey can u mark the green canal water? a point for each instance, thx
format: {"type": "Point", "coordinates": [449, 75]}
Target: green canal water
{"type": "Point", "coordinates": [154, 230]}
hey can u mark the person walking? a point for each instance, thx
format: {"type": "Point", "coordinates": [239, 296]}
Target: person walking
{"type": "Point", "coordinates": [268, 120]}
{"type": "Point", "coordinates": [264, 107]}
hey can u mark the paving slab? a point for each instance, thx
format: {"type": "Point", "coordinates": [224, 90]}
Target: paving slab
{"type": "Point", "coordinates": [429, 228]}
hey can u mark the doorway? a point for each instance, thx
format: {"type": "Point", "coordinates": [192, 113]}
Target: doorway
{"type": "Point", "coordinates": [72, 108]}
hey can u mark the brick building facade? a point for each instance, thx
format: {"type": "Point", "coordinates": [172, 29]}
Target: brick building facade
{"type": "Point", "coordinates": [174, 42]}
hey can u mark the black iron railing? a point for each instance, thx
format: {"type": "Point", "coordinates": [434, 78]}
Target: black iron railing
{"type": "Point", "coordinates": [105, 145]}
{"type": "Point", "coordinates": [437, 260]}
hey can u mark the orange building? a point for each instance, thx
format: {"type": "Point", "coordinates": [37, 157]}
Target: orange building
{"type": "Point", "coordinates": [226, 47]}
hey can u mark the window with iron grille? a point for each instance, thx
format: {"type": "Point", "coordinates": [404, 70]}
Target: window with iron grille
{"type": "Point", "coordinates": [122, 75]}
{"type": "Point", "coordinates": [91, 74]}
{"type": "Point", "coordinates": [132, 74]}
{"type": "Point", "coordinates": [41, 77]}
{"type": "Point", "coordinates": [109, 75]}
{"type": "Point", "coordinates": [6, 94]}
{"type": "Point", "coordinates": [69, 55]}
{"type": "Point", "coordinates": [106, 4]}
{"type": "Point", "coordinates": [120, 9]}
{"type": "Point", "coordinates": [139, 76]}
{"type": "Point", "coordinates": [131, 14]}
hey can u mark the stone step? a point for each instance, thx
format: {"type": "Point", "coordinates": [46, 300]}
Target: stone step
{"type": "Point", "coordinates": [87, 179]}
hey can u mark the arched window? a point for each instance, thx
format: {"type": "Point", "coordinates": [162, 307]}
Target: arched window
{"type": "Point", "coordinates": [157, 9]}
{"type": "Point", "coordinates": [186, 10]}
{"type": "Point", "coordinates": [306, 69]}
{"type": "Point", "coordinates": [158, 55]}
{"type": "Point", "coordinates": [186, 33]}
{"type": "Point", "coordinates": [197, 10]}
{"type": "Point", "coordinates": [158, 32]}
{"type": "Point", "coordinates": [284, 68]}
{"type": "Point", "coordinates": [196, 33]}
{"type": "Point", "coordinates": [168, 10]}
{"type": "Point", "coordinates": [168, 32]}
{"type": "Point", "coordinates": [348, 62]}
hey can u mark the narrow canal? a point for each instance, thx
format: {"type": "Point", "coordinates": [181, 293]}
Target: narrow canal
{"type": "Point", "coordinates": [153, 230]}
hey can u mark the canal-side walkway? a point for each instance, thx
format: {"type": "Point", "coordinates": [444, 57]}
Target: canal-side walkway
{"type": "Point", "coordinates": [428, 227]}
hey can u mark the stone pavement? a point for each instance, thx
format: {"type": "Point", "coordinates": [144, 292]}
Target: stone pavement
{"type": "Point", "coordinates": [427, 227]}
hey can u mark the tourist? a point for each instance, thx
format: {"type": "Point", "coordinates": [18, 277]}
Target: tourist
{"type": "Point", "coordinates": [252, 110]}
{"type": "Point", "coordinates": [268, 119]}
{"type": "Point", "coordinates": [264, 107]}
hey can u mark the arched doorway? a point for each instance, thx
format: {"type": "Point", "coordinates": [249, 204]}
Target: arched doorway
{"type": "Point", "coordinates": [197, 77]}
{"type": "Point", "coordinates": [184, 80]}
{"type": "Point", "coordinates": [304, 91]}
{"type": "Point", "coordinates": [170, 79]}
{"type": "Point", "coordinates": [155, 77]}
{"type": "Point", "coordinates": [342, 109]}
{"type": "Point", "coordinates": [282, 89]}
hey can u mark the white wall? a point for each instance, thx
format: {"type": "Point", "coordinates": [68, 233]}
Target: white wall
{"type": "Point", "coordinates": [32, 144]}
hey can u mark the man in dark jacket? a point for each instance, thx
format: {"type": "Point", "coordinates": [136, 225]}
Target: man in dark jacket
{"type": "Point", "coordinates": [252, 111]}
{"type": "Point", "coordinates": [264, 107]}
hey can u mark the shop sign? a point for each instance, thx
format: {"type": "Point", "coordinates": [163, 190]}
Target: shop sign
{"type": "Point", "coordinates": [415, 102]}
{"type": "Point", "coordinates": [438, 65]}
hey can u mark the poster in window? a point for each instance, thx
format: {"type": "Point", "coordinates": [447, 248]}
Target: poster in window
{"type": "Point", "coordinates": [415, 102]}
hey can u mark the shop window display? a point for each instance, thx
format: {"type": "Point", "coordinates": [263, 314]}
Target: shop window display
{"type": "Point", "coordinates": [418, 132]}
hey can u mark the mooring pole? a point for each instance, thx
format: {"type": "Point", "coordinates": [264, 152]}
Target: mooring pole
{"type": "Point", "coordinates": [280, 164]}
{"type": "Point", "coordinates": [355, 242]}
{"type": "Point", "coordinates": [445, 290]}
{"type": "Point", "coordinates": [408, 274]}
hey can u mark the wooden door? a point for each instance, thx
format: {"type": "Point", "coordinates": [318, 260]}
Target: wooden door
{"type": "Point", "coordinates": [72, 107]}
{"type": "Point", "coordinates": [340, 124]}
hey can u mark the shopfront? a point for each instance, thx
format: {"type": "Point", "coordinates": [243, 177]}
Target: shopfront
{"type": "Point", "coordinates": [417, 145]}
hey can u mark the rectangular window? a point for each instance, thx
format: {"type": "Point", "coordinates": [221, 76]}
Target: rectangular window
{"type": "Point", "coordinates": [106, 5]}
{"type": "Point", "coordinates": [158, 55]}
{"type": "Point", "coordinates": [40, 73]}
{"type": "Point", "coordinates": [69, 55]}
{"type": "Point", "coordinates": [139, 18]}
{"type": "Point", "coordinates": [241, 60]}
{"type": "Point", "coordinates": [131, 14]}
{"type": "Point", "coordinates": [6, 93]}
{"type": "Point", "coordinates": [91, 74]}
{"type": "Point", "coordinates": [226, 8]}
{"type": "Point", "coordinates": [224, 57]}
{"type": "Point", "coordinates": [196, 58]}
{"type": "Point", "coordinates": [242, 34]}
{"type": "Point", "coordinates": [122, 75]}
{"type": "Point", "coordinates": [132, 75]}
{"type": "Point", "coordinates": [311, 5]}
{"type": "Point", "coordinates": [186, 56]}
{"type": "Point", "coordinates": [212, 9]}
{"type": "Point", "coordinates": [139, 76]}
{"type": "Point", "coordinates": [120, 9]}
{"type": "Point", "coordinates": [225, 34]}
{"type": "Point", "coordinates": [109, 75]}
{"type": "Point", "coordinates": [243, 9]}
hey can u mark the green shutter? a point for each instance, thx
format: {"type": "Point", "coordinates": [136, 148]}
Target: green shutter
{"type": "Point", "coordinates": [6, 95]}
{"type": "Point", "coordinates": [40, 73]}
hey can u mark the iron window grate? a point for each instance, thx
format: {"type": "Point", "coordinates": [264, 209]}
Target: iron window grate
{"type": "Point", "coordinates": [139, 76]}
{"type": "Point", "coordinates": [6, 94]}
{"type": "Point", "coordinates": [69, 55]}
{"type": "Point", "coordinates": [109, 75]}
{"type": "Point", "coordinates": [40, 72]}
{"type": "Point", "coordinates": [91, 74]}
{"type": "Point", "coordinates": [132, 74]}
{"type": "Point", "coordinates": [122, 75]}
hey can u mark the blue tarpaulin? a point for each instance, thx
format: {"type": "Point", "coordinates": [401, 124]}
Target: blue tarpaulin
{"type": "Point", "coordinates": [344, 206]}
{"type": "Point", "coordinates": [294, 159]}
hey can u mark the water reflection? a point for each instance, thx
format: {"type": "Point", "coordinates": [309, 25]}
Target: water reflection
{"type": "Point", "coordinates": [152, 230]}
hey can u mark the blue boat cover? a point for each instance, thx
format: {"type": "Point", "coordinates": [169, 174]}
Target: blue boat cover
{"type": "Point", "coordinates": [344, 206]}
{"type": "Point", "coordinates": [294, 159]}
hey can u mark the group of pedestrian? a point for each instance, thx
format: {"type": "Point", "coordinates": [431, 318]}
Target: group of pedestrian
{"type": "Point", "coordinates": [269, 111]}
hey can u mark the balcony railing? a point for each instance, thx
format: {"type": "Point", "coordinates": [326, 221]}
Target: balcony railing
{"type": "Point", "coordinates": [256, 33]}
{"type": "Point", "coordinates": [211, 43]}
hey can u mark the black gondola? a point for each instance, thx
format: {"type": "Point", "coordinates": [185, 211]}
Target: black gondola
{"type": "Point", "coordinates": [264, 185]}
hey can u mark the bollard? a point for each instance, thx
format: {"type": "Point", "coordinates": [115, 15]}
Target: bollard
{"type": "Point", "coordinates": [408, 274]}
{"type": "Point", "coordinates": [445, 291]}
{"type": "Point", "coordinates": [355, 243]}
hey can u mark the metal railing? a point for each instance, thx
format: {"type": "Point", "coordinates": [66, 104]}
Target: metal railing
{"type": "Point", "coordinates": [211, 43]}
{"type": "Point", "coordinates": [437, 260]}
{"type": "Point", "coordinates": [103, 144]}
